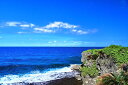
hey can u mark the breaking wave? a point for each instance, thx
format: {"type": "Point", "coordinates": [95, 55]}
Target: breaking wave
{"type": "Point", "coordinates": [37, 76]}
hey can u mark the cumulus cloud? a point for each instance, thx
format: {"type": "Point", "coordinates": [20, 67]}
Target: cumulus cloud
{"type": "Point", "coordinates": [52, 28]}
{"type": "Point", "coordinates": [60, 25]}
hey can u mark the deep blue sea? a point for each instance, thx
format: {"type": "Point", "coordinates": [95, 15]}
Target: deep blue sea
{"type": "Point", "coordinates": [20, 64]}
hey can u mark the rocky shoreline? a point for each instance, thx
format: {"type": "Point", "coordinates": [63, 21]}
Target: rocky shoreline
{"type": "Point", "coordinates": [97, 68]}
{"type": "Point", "coordinates": [63, 78]}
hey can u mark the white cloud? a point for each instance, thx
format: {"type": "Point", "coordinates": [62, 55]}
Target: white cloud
{"type": "Point", "coordinates": [32, 25]}
{"type": "Point", "coordinates": [18, 24]}
{"type": "Point", "coordinates": [44, 30]}
{"type": "Point", "coordinates": [74, 30]}
{"type": "Point", "coordinates": [79, 31]}
{"type": "Point", "coordinates": [50, 28]}
{"type": "Point", "coordinates": [47, 28]}
{"type": "Point", "coordinates": [82, 32]}
{"type": "Point", "coordinates": [27, 25]}
{"type": "Point", "coordinates": [60, 25]}
{"type": "Point", "coordinates": [24, 25]}
{"type": "Point", "coordinates": [12, 23]}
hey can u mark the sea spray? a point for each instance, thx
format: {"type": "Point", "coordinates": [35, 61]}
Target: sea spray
{"type": "Point", "coordinates": [37, 76]}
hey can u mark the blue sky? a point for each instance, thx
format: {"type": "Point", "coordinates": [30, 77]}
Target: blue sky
{"type": "Point", "coordinates": [63, 22]}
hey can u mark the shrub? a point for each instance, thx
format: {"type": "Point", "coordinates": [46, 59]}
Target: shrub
{"type": "Point", "coordinates": [91, 71]}
{"type": "Point", "coordinates": [94, 53]}
{"type": "Point", "coordinates": [115, 79]}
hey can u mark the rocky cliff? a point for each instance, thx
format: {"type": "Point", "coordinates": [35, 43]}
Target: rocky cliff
{"type": "Point", "coordinates": [100, 64]}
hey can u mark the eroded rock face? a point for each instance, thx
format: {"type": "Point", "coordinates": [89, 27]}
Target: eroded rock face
{"type": "Point", "coordinates": [85, 59]}
{"type": "Point", "coordinates": [106, 64]}
{"type": "Point", "coordinates": [84, 56]}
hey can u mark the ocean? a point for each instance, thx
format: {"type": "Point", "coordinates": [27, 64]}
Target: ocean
{"type": "Point", "coordinates": [37, 64]}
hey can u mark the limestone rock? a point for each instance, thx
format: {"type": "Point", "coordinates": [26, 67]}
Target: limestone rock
{"type": "Point", "coordinates": [106, 64]}
{"type": "Point", "coordinates": [74, 67]}
{"type": "Point", "coordinates": [88, 80]}
{"type": "Point", "coordinates": [84, 56]}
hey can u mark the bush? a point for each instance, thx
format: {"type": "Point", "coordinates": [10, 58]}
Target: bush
{"type": "Point", "coordinates": [115, 79]}
{"type": "Point", "coordinates": [91, 71]}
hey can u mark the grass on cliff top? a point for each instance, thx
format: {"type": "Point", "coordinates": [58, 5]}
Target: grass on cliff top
{"type": "Point", "coordinates": [119, 53]}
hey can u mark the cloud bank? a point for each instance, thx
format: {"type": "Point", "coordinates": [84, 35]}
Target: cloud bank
{"type": "Point", "coordinates": [54, 27]}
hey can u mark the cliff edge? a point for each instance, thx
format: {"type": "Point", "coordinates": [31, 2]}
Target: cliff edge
{"type": "Point", "coordinates": [107, 66]}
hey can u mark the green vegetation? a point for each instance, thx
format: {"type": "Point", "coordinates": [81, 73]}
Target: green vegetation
{"type": "Point", "coordinates": [119, 53]}
{"type": "Point", "coordinates": [91, 71]}
{"type": "Point", "coordinates": [94, 54]}
{"type": "Point", "coordinates": [120, 79]}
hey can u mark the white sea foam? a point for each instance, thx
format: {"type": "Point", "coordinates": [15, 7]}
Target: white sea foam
{"type": "Point", "coordinates": [37, 76]}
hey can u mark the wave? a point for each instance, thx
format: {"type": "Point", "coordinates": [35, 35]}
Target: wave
{"type": "Point", "coordinates": [37, 76]}
{"type": "Point", "coordinates": [23, 69]}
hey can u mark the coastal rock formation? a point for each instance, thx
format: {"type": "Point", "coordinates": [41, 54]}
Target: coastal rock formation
{"type": "Point", "coordinates": [103, 63]}
{"type": "Point", "coordinates": [75, 67]}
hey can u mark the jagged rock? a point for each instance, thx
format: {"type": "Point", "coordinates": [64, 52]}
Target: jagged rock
{"type": "Point", "coordinates": [85, 60]}
{"type": "Point", "coordinates": [78, 77]}
{"type": "Point", "coordinates": [84, 56]}
{"type": "Point", "coordinates": [106, 64]}
{"type": "Point", "coordinates": [88, 80]}
{"type": "Point", "coordinates": [75, 67]}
